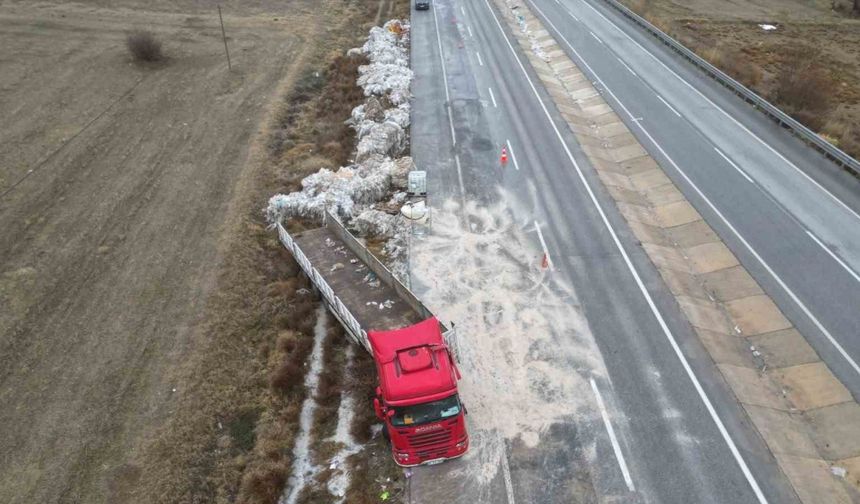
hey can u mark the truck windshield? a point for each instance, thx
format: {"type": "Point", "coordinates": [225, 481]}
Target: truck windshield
{"type": "Point", "coordinates": [428, 412]}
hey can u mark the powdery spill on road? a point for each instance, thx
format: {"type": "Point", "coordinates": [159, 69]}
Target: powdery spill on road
{"type": "Point", "coordinates": [525, 348]}
{"type": "Point", "coordinates": [303, 467]}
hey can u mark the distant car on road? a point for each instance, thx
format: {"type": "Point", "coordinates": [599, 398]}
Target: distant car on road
{"type": "Point", "coordinates": [422, 4]}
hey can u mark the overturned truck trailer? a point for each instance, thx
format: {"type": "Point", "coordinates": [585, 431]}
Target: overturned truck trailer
{"type": "Point", "coordinates": [417, 398]}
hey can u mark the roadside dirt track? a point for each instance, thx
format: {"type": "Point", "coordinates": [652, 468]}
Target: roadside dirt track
{"type": "Point", "coordinates": [110, 246]}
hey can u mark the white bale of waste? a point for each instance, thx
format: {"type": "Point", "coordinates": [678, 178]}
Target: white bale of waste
{"type": "Point", "coordinates": [339, 191]}
{"type": "Point", "coordinates": [386, 138]}
{"type": "Point", "coordinates": [375, 223]}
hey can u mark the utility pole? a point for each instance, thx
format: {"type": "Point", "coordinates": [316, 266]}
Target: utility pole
{"type": "Point", "coordinates": [224, 37]}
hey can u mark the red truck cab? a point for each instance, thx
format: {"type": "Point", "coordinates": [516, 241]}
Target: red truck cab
{"type": "Point", "coordinates": [417, 396]}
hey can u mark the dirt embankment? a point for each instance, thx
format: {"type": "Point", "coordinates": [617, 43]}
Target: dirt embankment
{"type": "Point", "coordinates": [808, 64]}
{"type": "Point", "coordinates": [141, 298]}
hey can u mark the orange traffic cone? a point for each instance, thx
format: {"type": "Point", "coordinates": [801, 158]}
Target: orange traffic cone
{"type": "Point", "coordinates": [504, 157]}
{"type": "Point", "coordinates": [545, 263]}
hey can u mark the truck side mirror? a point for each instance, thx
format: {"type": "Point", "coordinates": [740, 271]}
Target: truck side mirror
{"type": "Point", "coordinates": [390, 413]}
{"type": "Point", "coordinates": [377, 408]}
{"type": "Point", "coordinates": [378, 391]}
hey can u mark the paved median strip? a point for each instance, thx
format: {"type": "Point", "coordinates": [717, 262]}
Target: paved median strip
{"type": "Point", "coordinates": [807, 418]}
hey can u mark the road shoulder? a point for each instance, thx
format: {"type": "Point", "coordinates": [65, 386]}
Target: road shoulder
{"type": "Point", "coordinates": [794, 401]}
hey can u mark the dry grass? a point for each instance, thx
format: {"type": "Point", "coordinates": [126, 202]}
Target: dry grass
{"type": "Point", "coordinates": [734, 63]}
{"type": "Point", "coordinates": [803, 88]}
{"type": "Point", "coordinates": [232, 438]}
{"type": "Point", "coordinates": [330, 389]}
{"type": "Point", "coordinates": [817, 84]}
{"type": "Point", "coordinates": [374, 471]}
{"type": "Point", "coordinates": [263, 483]}
{"type": "Point", "coordinates": [144, 47]}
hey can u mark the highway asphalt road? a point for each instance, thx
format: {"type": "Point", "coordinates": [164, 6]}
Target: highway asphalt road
{"type": "Point", "coordinates": [791, 216]}
{"type": "Point", "coordinates": [680, 433]}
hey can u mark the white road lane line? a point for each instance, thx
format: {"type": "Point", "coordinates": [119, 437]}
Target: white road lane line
{"type": "Point", "coordinates": [470, 32]}
{"type": "Point", "coordinates": [480, 61]}
{"type": "Point", "coordinates": [445, 79]}
{"type": "Point", "coordinates": [670, 107]}
{"type": "Point", "coordinates": [506, 472]}
{"type": "Point", "coordinates": [595, 37]}
{"type": "Point", "coordinates": [712, 412]}
{"type": "Point", "coordinates": [462, 10]}
{"type": "Point", "coordinates": [460, 175]}
{"type": "Point", "coordinates": [513, 156]}
{"type": "Point", "coordinates": [493, 97]}
{"type": "Point", "coordinates": [736, 167]}
{"type": "Point", "coordinates": [806, 311]}
{"type": "Point", "coordinates": [543, 245]}
{"type": "Point", "coordinates": [738, 123]}
{"type": "Point", "coordinates": [619, 456]}
{"type": "Point", "coordinates": [834, 256]}
{"type": "Point", "coordinates": [627, 67]}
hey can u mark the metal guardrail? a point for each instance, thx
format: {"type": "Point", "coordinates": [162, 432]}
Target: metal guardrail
{"type": "Point", "coordinates": [807, 135]}
{"type": "Point", "coordinates": [334, 303]}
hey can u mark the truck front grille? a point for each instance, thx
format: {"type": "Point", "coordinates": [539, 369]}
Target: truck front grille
{"type": "Point", "coordinates": [428, 439]}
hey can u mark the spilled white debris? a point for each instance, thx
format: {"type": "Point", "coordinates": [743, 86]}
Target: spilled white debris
{"type": "Point", "coordinates": [768, 27]}
{"type": "Point", "coordinates": [339, 481]}
{"type": "Point", "coordinates": [537, 47]}
{"type": "Point", "coordinates": [381, 124]}
{"type": "Point", "coordinates": [303, 467]}
{"type": "Point", "coordinates": [525, 347]}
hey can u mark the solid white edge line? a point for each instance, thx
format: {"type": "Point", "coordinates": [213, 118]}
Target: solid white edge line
{"type": "Point", "coordinates": [493, 97]}
{"type": "Point", "coordinates": [444, 78]}
{"type": "Point", "coordinates": [747, 130]}
{"type": "Point", "coordinates": [595, 37]}
{"type": "Point", "coordinates": [670, 107]}
{"type": "Point", "coordinates": [735, 166]}
{"type": "Point", "coordinates": [834, 256]}
{"type": "Point", "coordinates": [513, 156]}
{"type": "Point", "coordinates": [647, 295]}
{"type": "Point", "coordinates": [480, 61]}
{"type": "Point", "coordinates": [543, 245]}
{"type": "Point", "coordinates": [625, 66]}
{"type": "Point", "coordinates": [806, 311]}
{"type": "Point", "coordinates": [619, 456]}
{"type": "Point", "coordinates": [506, 472]}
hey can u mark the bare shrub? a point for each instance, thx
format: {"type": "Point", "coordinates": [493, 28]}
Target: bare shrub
{"type": "Point", "coordinates": [734, 63]}
{"type": "Point", "coordinates": [802, 87]}
{"type": "Point", "coordinates": [286, 377]}
{"type": "Point", "coordinates": [143, 46]}
{"type": "Point", "coordinates": [263, 484]}
{"type": "Point", "coordinates": [841, 132]}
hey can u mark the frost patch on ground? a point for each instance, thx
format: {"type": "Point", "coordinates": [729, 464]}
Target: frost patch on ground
{"type": "Point", "coordinates": [339, 481]}
{"type": "Point", "coordinates": [303, 469]}
{"type": "Point", "coordinates": [525, 348]}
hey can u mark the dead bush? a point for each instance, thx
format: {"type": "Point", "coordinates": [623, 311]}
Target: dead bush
{"type": "Point", "coordinates": [143, 46]}
{"type": "Point", "coordinates": [363, 383]}
{"type": "Point", "coordinates": [802, 88]}
{"type": "Point", "coordinates": [286, 377]}
{"type": "Point", "coordinates": [734, 63]}
{"type": "Point", "coordinates": [263, 484]}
